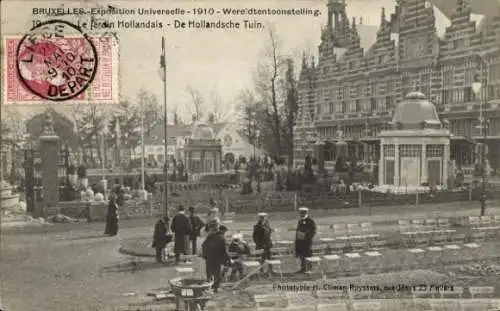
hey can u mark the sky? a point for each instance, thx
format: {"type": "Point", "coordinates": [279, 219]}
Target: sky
{"type": "Point", "coordinates": [209, 61]}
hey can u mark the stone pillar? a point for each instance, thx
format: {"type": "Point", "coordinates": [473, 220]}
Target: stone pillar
{"type": "Point", "coordinates": [216, 161]}
{"type": "Point", "coordinates": [219, 161]}
{"type": "Point", "coordinates": [187, 160]}
{"type": "Point", "coordinates": [381, 166]}
{"type": "Point", "coordinates": [49, 152]}
{"type": "Point", "coordinates": [424, 177]}
{"type": "Point", "coordinates": [396, 164]}
{"type": "Point", "coordinates": [446, 160]}
{"type": "Point", "coordinates": [202, 162]}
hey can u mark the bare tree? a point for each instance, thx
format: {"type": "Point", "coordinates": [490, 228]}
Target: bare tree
{"type": "Point", "coordinates": [176, 117]}
{"type": "Point", "coordinates": [12, 131]}
{"type": "Point", "coordinates": [291, 108]}
{"type": "Point", "coordinates": [150, 110]}
{"type": "Point", "coordinates": [197, 101]}
{"type": "Point", "coordinates": [266, 80]}
{"type": "Point", "coordinates": [247, 105]}
{"type": "Point", "coordinates": [218, 107]}
{"type": "Point", "coordinates": [90, 123]}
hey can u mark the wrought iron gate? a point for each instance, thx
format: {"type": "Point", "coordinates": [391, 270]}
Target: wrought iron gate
{"type": "Point", "coordinates": [32, 178]}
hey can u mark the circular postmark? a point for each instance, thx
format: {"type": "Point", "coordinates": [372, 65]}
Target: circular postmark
{"type": "Point", "coordinates": [56, 60]}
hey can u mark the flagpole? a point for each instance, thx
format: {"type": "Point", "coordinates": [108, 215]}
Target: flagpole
{"type": "Point", "coordinates": [143, 154]}
{"type": "Point", "coordinates": [163, 64]}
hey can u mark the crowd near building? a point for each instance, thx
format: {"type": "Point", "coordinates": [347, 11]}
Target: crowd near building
{"type": "Point", "coordinates": [436, 48]}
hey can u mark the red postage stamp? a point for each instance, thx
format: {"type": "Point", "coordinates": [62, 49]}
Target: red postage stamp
{"type": "Point", "coordinates": [54, 66]}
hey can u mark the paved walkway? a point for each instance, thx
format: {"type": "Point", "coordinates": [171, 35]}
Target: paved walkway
{"type": "Point", "coordinates": [139, 243]}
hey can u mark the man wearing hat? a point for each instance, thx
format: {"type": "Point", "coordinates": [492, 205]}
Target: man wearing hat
{"type": "Point", "coordinates": [181, 227]}
{"type": "Point", "coordinates": [215, 255]}
{"type": "Point", "coordinates": [306, 230]}
{"type": "Point", "coordinates": [196, 226]}
{"type": "Point", "coordinates": [262, 236]}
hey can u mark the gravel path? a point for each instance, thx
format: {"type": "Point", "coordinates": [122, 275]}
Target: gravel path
{"type": "Point", "coordinates": [73, 267]}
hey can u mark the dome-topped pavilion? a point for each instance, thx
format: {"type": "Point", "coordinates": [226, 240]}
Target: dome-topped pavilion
{"type": "Point", "coordinates": [202, 150]}
{"type": "Point", "coordinates": [202, 131]}
{"type": "Point", "coordinates": [415, 153]}
{"type": "Point", "coordinates": [415, 111]}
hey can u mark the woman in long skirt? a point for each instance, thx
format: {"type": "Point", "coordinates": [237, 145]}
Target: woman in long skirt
{"type": "Point", "coordinates": [112, 218]}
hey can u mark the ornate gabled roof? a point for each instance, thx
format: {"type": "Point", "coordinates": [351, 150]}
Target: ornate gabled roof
{"type": "Point", "coordinates": [156, 135]}
{"type": "Point", "coordinates": [442, 20]}
{"type": "Point", "coordinates": [367, 36]}
{"type": "Point", "coordinates": [488, 8]}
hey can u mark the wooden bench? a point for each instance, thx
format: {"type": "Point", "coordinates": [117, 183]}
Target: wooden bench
{"type": "Point", "coordinates": [481, 291]}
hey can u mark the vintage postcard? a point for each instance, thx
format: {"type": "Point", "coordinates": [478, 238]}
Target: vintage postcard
{"type": "Point", "coordinates": [307, 155]}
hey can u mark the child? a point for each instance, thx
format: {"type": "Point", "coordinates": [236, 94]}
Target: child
{"type": "Point", "coordinates": [237, 249]}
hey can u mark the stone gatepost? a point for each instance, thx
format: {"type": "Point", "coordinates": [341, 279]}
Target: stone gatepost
{"type": "Point", "coordinates": [49, 153]}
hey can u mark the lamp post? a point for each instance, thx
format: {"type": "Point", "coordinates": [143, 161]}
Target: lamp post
{"type": "Point", "coordinates": [103, 161]}
{"type": "Point", "coordinates": [257, 164]}
{"type": "Point", "coordinates": [479, 89]}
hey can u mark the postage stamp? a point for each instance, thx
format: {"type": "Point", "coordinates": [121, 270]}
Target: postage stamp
{"type": "Point", "coordinates": [55, 61]}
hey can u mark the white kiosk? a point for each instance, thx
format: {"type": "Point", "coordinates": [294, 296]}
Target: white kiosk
{"type": "Point", "coordinates": [414, 154]}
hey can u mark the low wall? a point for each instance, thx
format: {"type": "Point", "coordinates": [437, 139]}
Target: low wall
{"type": "Point", "coordinates": [276, 201]}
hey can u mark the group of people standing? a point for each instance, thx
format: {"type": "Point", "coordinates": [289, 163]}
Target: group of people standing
{"type": "Point", "coordinates": [220, 256]}
{"type": "Point", "coordinates": [184, 230]}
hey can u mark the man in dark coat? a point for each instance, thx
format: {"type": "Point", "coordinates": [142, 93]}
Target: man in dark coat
{"type": "Point", "coordinates": [215, 255]}
{"type": "Point", "coordinates": [161, 238]}
{"type": "Point", "coordinates": [196, 226]}
{"type": "Point", "coordinates": [262, 237]}
{"type": "Point", "coordinates": [112, 217]}
{"type": "Point", "coordinates": [119, 190]}
{"type": "Point", "coordinates": [306, 230]}
{"type": "Point", "coordinates": [181, 227]}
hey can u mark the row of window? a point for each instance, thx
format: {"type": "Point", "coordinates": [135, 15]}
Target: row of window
{"type": "Point", "coordinates": [413, 151]}
{"type": "Point", "coordinates": [358, 90]}
{"type": "Point", "coordinates": [444, 97]}
{"type": "Point", "coordinates": [409, 83]}
{"type": "Point", "coordinates": [469, 127]}
{"type": "Point", "coordinates": [374, 104]}
{"type": "Point", "coordinates": [464, 127]}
